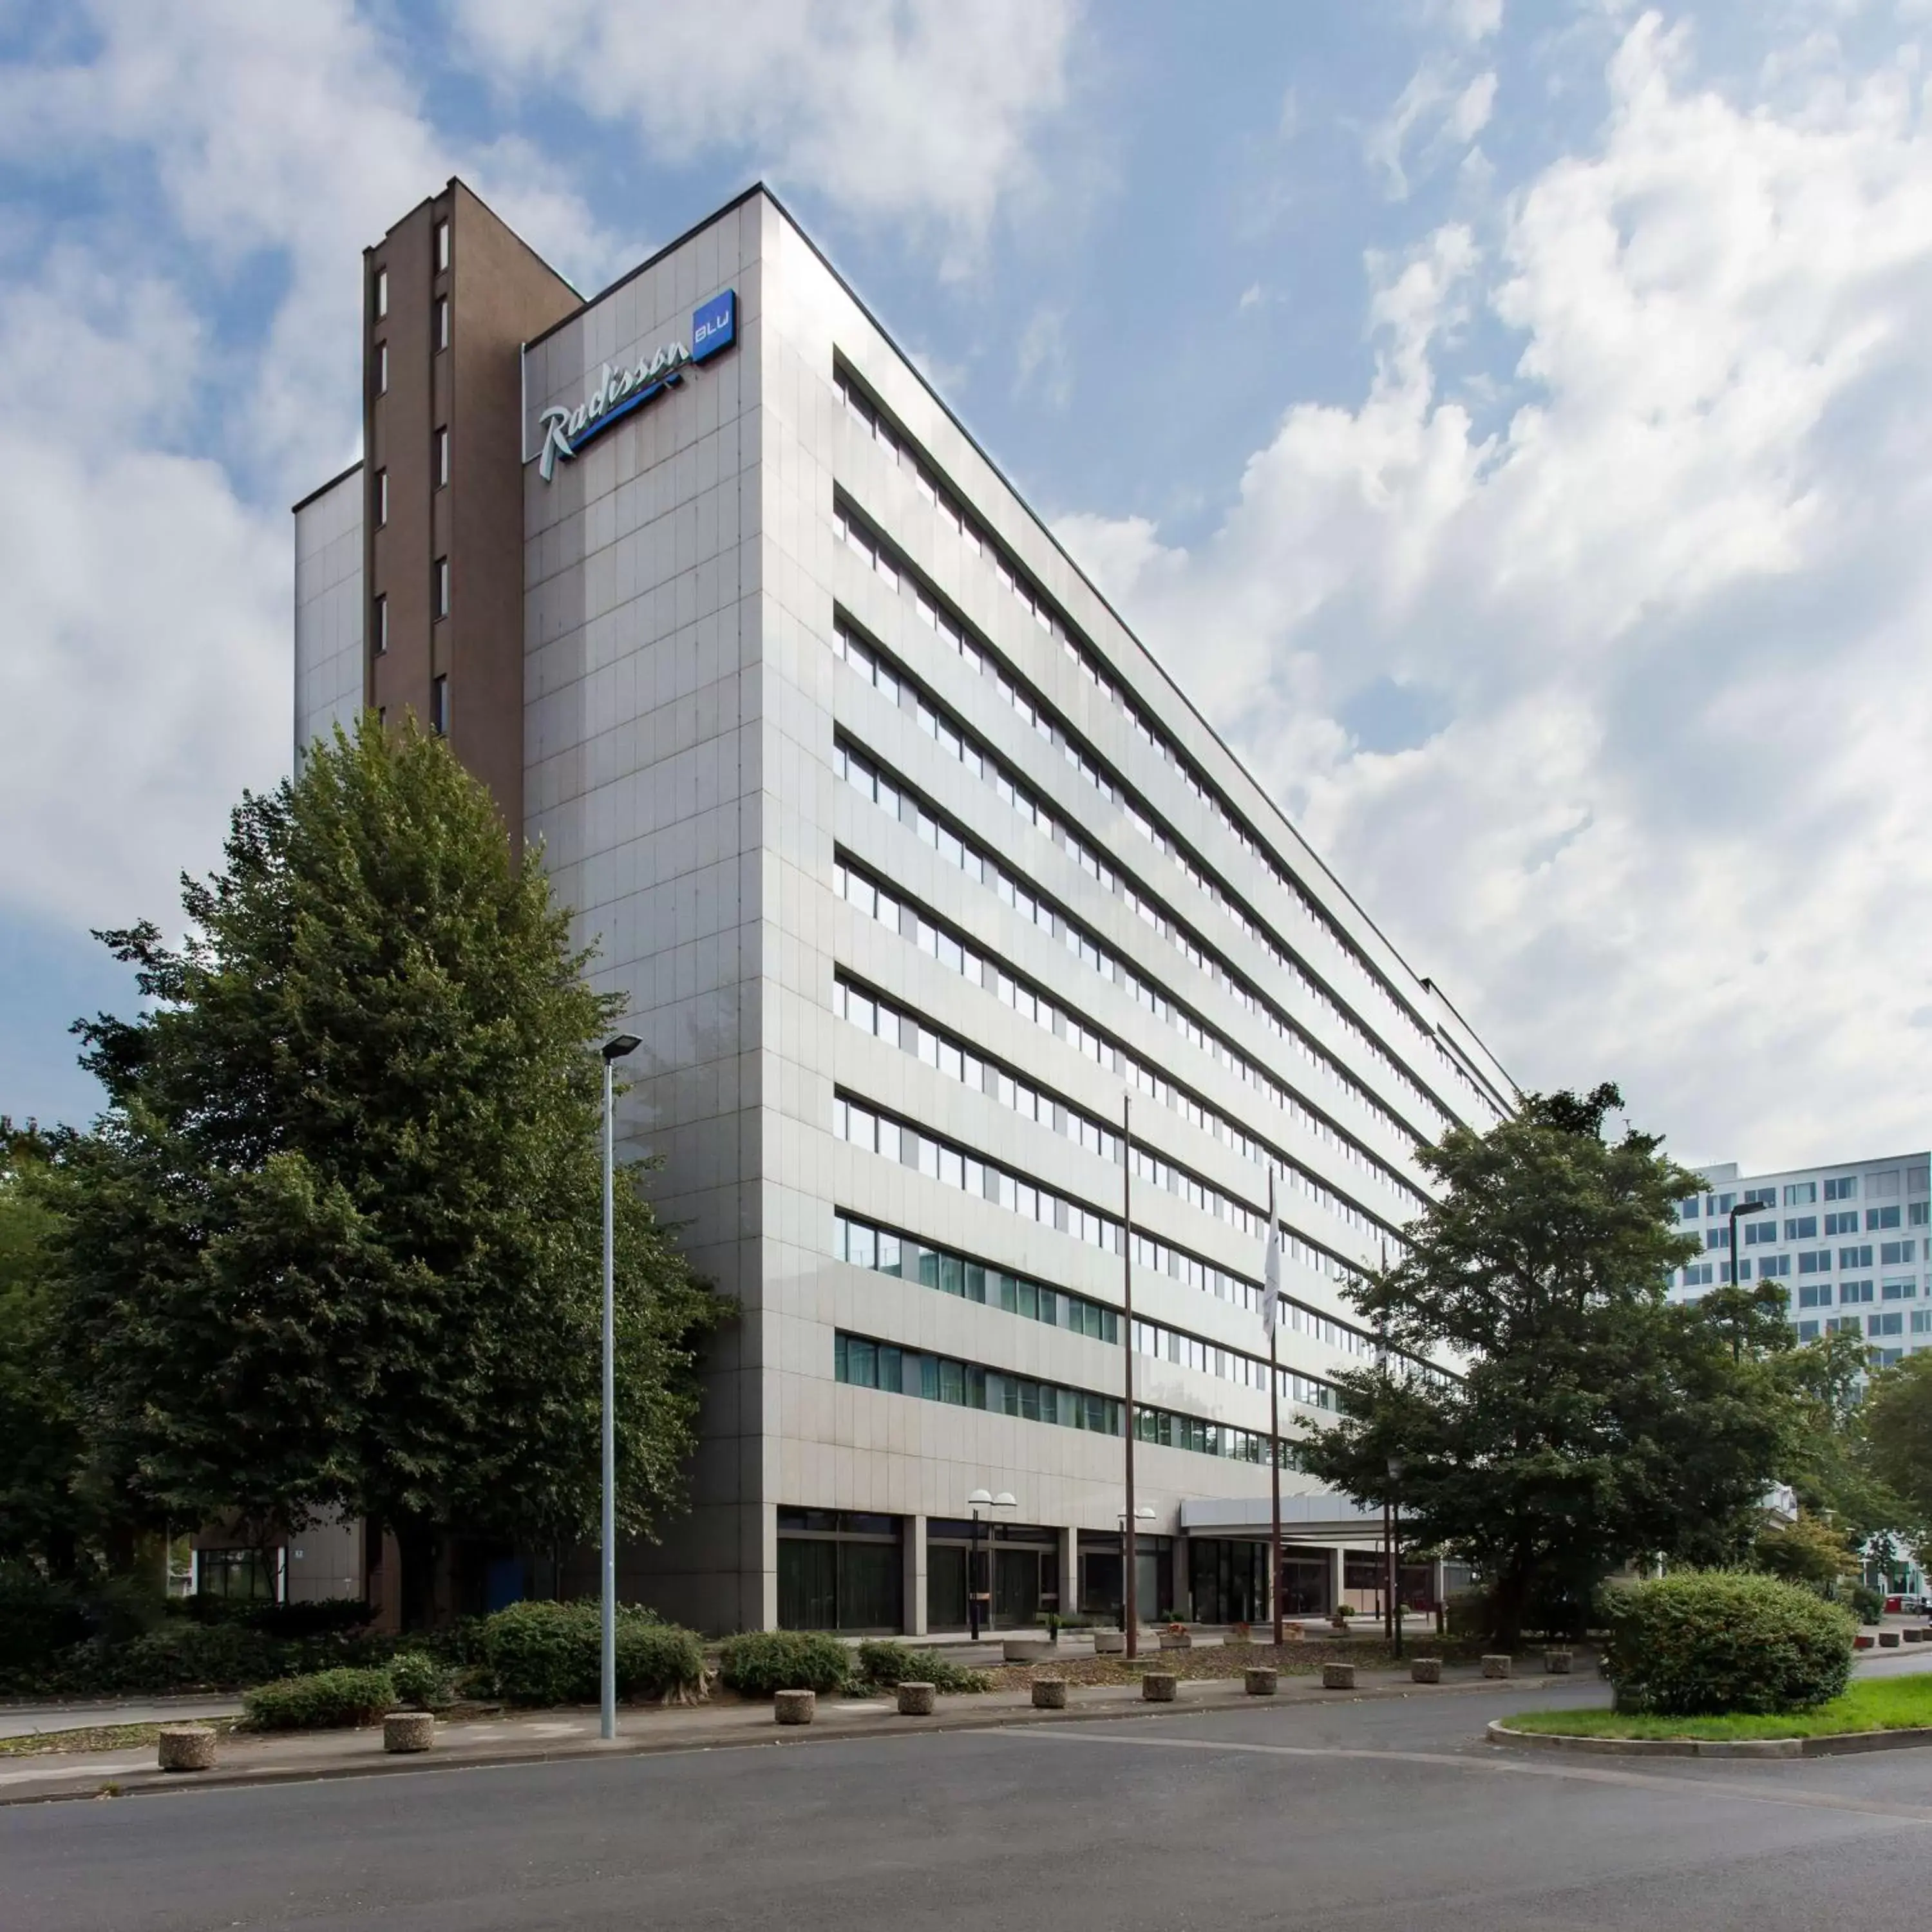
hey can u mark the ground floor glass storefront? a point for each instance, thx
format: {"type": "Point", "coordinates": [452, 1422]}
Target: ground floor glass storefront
{"type": "Point", "coordinates": [1014, 1573]}
{"type": "Point", "coordinates": [840, 1570]}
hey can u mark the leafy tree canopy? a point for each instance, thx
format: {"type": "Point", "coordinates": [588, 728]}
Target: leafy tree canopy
{"type": "Point", "coordinates": [336, 1243]}
{"type": "Point", "coordinates": [1594, 1422]}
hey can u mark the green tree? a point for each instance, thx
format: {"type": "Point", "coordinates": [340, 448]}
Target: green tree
{"type": "Point", "coordinates": [336, 1243]}
{"type": "Point", "coordinates": [1896, 1429]}
{"type": "Point", "coordinates": [1592, 1422]}
{"type": "Point", "coordinates": [1806, 1550]}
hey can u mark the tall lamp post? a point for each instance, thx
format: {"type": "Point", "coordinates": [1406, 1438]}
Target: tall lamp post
{"type": "Point", "coordinates": [1393, 1508]}
{"type": "Point", "coordinates": [1141, 1514]}
{"type": "Point", "coordinates": [614, 1049]}
{"type": "Point", "coordinates": [981, 1499]}
{"type": "Point", "coordinates": [1742, 1207]}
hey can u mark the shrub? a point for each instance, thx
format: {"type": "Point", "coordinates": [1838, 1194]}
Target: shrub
{"type": "Point", "coordinates": [312, 1703]}
{"type": "Point", "coordinates": [1867, 1605]}
{"type": "Point", "coordinates": [420, 1681]}
{"type": "Point", "coordinates": [38, 1619]}
{"type": "Point", "coordinates": [545, 1653]}
{"type": "Point", "coordinates": [1702, 1642]}
{"type": "Point", "coordinates": [760, 1662]}
{"type": "Point", "coordinates": [884, 1664]}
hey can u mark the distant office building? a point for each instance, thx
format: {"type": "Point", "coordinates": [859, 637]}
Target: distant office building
{"type": "Point", "coordinates": [912, 864]}
{"type": "Point", "coordinates": [1847, 1244]}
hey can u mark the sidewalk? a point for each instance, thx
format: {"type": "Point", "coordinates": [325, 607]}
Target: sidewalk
{"type": "Point", "coordinates": [642, 1730]}
{"type": "Point", "coordinates": [27, 1721]}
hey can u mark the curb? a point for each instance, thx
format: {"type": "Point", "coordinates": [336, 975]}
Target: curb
{"type": "Point", "coordinates": [1846, 1743]}
{"type": "Point", "coordinates": [379, 1764]}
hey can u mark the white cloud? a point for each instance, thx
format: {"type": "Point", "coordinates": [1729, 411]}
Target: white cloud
{"type": "Point", "coordinates": [921, 112]}
{"type": "Point", "coordinates": [1436, 114]}
{"type": "Point", "coordinates": [1673, 595]}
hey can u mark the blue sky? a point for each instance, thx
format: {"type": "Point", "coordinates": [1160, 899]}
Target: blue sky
{"type": "Point", "coordinates": [1509, 419]}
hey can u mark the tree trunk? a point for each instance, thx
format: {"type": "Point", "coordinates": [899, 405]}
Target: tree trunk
{"type": "Point", "coordinates": [416, 1543]}
{"type": "Point", "coordinates": [1507, 1603]}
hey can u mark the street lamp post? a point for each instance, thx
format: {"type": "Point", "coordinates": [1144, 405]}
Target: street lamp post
{"type": "Point", "coordinates": [1393, 1509]}
{"type": "Point", "coordinates": [981, 1499]}
{"type": "Point", "coordinates": [1141, 1514]}
{"type": "Point", "coordinates": [614, 1050]}
{"type": "Point", "coordinates": [1743, 1208]}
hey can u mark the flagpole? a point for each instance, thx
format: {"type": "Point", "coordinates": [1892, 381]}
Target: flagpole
{"type": "Point", "coordinates": [1130, 1595]}
{"type": "Point", "coordinates": [1274, 1425]}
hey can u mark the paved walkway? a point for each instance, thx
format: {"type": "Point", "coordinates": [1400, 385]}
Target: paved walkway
{"type": "Point", "coordinates": [720, 1723]}
{"type": "Point", "coordinates": [29, 1721]}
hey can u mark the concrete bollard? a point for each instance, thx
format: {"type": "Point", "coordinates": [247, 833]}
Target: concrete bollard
{"type": "Point", "coordinates": [1110, 1643]}
{"type": "Point", "coordinates": [1338, 1677]}
{"type": "Point", "coordinates": [1888, 1639]}
{"type": "Point", "coordinates": [1261, 1682]}
{"type": "Point", "coordinates": [1425, 1670]}
{"type": "Point", "coordinates": [1913, 1636]}
{"type": "Point", "coordinates": [1049, 1694]}
{"type": "Point", "coordinates": [916, 1700]}
{"type": "Point", "coordinates": [1158, 1686]}
{"type": "Point", "coordinates": [1496, 1664]}
{"type": "Point", "coordinates": [408, 1731]}
{"type": "Point", "coordinates": [187, 1747]}
{"type": "Point", "coordinates": [794, 1707]}
{"type": "Point", "coordinates": [1556, 1663]}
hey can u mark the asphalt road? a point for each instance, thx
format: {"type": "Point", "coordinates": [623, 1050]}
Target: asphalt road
{"type": "Point", "coordinates": [1359, 1816]}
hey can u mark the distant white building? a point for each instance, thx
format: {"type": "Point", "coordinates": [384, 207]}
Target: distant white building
{"type": "Point", "coordinates": [1847, 1243]}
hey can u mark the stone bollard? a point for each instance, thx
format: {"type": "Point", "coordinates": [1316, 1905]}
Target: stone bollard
{"type": "Point", "coordinates": [1913, 1636]}
{"type": "Point", "coordinates": [915, 1700]}
{"type": "Point", "coordinates": [794, 1707]}
{"type": "Point", "coordinates": [1556, 1663]}
{"type": "Point", "coordinates": [1259, 1682]}
{"type": "Point", "coordinates": [1110, 1643]}
{"type": "Point", "coordinates": [1338, 1677]}
{"type": "Point", "coordinates": [1158, 1686]}
{"type": "Point", "coordinates": [1496, 1664]}
{"type": "Point", "coordinates": [1049, 1694]}
{"type": "Point", "coordinates": [187, 1747]}
{"type": "Point", "coordinates": [1888, 1639]}
{"type": "Point", "coordinates": [408, 1731]}
{"type": "Point", "coordinates": [1425, 1670]}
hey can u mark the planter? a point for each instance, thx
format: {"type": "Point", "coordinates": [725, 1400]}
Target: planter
{"type": "Point", "coordinates": [1863, 1642]}
{"type": "Point", "coordinates": [1338, 1677]}
{"type": "Point", "coordinates": [408, 1731]}
{"type": "Point", "coordinates": [1110, 1643]}
{"type": "Point", "coordinates": [1177, 1640]}
{"type": "Point", "coordinates": [1261, 1683]}
{"type": "Point", "coordinates": [1888, 1639]}
{"type": "Point", "coordinates": [1913, 1636]}
{"type": "Point", "coordinates": [187, 1747]}
{"type": "Point", "coordinates": [1425, 1670]}
{"type": "Point", "coordinates": [1556, 1663]}
{"type": "Point", "coordinates": [1497, 1664]}
{"type": "Point", "coordinates": [795, 1707]}
{"type": "Point", "coordinates": [1049, 1694]}
{"type": "Point", "coordinates": [915, 1700]}
{"type": "Point", "coordinates": [1158, 1686]}
{"type": "Point", "coordinates": [1026, 1650]}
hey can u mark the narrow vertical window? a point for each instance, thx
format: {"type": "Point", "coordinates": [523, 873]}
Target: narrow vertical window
{"type": "Point", "coordinates": [382, 368]}
{"type": "Point", "coordinates": [442, 457]}
{"type": "Point", "coordinates": [442, 244]}
{"type": "Point", "coordinates": [440, 588]}
{"type": "Point", "coordinates": [438, 706]}
{"type": "Point", "coordinates": [379, 628]}
{"type": "Point", "coordinates": [382, 498]}
{"type": "Point", "coordinates": [442, 321]}
{"type": "Point", "coordinates": [381, 293]}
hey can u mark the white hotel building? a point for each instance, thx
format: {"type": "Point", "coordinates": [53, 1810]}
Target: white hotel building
{"type": "Point", "coordinates": [912, 865]}
{"type": "Point", "coordinates": [1850, 1245]}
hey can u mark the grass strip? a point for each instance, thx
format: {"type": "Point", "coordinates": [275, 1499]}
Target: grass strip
{"type": "Point", "coordinates": [99, 1737]}
{"type": "Point", "coordinates": [1879, 1704]}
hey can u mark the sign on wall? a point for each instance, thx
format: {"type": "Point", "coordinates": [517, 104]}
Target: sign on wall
{"type": "Point", "coordinates": [713, 327]}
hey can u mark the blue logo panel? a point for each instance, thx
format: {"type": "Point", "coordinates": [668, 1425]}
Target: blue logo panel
{"type": "Point", "coordinates": [715, 326]}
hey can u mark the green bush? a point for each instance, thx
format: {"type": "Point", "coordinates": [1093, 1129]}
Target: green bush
{"type": "Point", "coordinates": [1867, 1604]}
{"type": "Point", "coordinates": [760, 1662]}
{"type": "Point", "coordinates": [38, 1619]}
{"type": "Point", "coordinates": [883, 1665]}
{"type": "Point", "coordinates": [1702, 1642]}
{"type": "Point", "coordinates": [421, 1682]}
{"type": "Point", "coordinates": [313, 1703]}
{"type": "Point", "coordinates": [544, 1653]}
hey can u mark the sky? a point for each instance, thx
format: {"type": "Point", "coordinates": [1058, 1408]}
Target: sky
{"type": "Point", "coordinates": [1510, 421]}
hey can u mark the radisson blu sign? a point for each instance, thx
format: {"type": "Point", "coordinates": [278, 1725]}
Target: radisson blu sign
{"type": "Point", "coordinates": [618, 392]}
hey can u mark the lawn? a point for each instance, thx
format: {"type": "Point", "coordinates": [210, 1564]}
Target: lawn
{"type": "Point", "coordinates": [1881, 1704]}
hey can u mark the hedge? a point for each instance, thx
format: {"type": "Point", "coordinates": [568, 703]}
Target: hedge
{"type": "Point", "coordinates": [545, 1653]}
{"type": "Point", "coordinates": [314, 1703]}
{"type": "Point", "coordinates": [1702, 1642]}
{"type": "Point", "coordinates": [760, 1663]}
{"type": "Point", "coordinates": [886, 1664]}
{"type": "Point", "coordinates": [421, 1680]}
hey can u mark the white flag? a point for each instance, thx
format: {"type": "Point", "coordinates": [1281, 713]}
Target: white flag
{"type": "Point", "coordinates": [1271, 1268]}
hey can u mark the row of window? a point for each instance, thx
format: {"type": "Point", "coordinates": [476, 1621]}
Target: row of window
{"type": "Point", "coordinates": [1818, 1261]}
{"type": "Point", "coordinates": [864, 1363]}
{"type": "Point", "coordinates": [871, 664]}
{"type": "Point", "coordinates": [1015, 578]}
{"type": "Point", "coordinates": [866, 1127]}
{"type": "Point", "coordinates": [1804, 1193]}
{"type": "Point", "coordinates": [440, 471]}
{"type": "Point", "coordinates": [880, 1017]}
{"type": "Point", "coordinates": [1162, 1344]}
{"type": "Point", "coordinates": [1903, 1288]}
{"type": "Point", "coordinates": [893, 795]}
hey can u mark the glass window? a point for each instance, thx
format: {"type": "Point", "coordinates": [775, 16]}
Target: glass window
{"type": "Point", "coordinates": [1815, 1295]}
{"type": "Point", "coordinates": [442, 457]}
{"type": "Point", "coordinates": [381, 293]}
{"type": "Point", "coordinates": [382, 368]}
{"type": "Point", "coordinates": [1917, 1213]}
{"type": "Point", "coordinates": [1881, 1217]}
{"type": "Point", "coordinates": [442, 321]}
{"type": "Point", "coordinates": [1900, 1288]}
{"type": "Point", "coordinates": [382, 498]}
{"type": "Point", "coordinates": [1850, 1291]}
{"type": "Point", "coordinates": [1842, 1224]}
{"type": "Point", "coordinates": [1757, 1231]}
{"type": "Point", "coordinates": [1892, 1323]}
{"type": "Point", "coordinates": [442, 244]}
{"type": "Point", "coordinates": [1854, 1257]}
{"type": "Point", "coordinates": [1892, 1254]}
{"type": "Point", "coordinates": [379, 628]}
{"type": "Point", "coordinates": [1844, 1188]}
{"type": "Point", "coordinates": [1800, 1193]}
{"type": "Point", "coordinates": [1770, 1266]}
{"type": "Point", "coordinates": [1801, 1228]}
{"type": "Point", "coordinates": [1808, 1331]}
{"type": "Point", "coordinates": [440, 587]}
{"type": "Point", "coordinates": [438, 706]}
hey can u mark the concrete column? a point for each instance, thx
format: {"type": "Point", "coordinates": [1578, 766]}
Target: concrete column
{"type": "Point", "coordinates": [1070, 1572]}
{"type": "Point", "coordinates": [1178, 1578]}
{"type": "Point", "coordinates": [912, 1549]}
{"type": "Point", "coordinates": [1341, 1572]}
